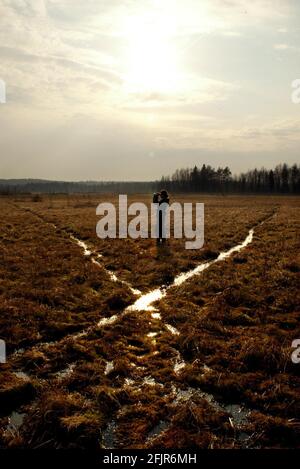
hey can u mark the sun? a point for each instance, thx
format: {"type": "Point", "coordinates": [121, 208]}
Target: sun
{"type": "Point", "coordinates": [151, 62]}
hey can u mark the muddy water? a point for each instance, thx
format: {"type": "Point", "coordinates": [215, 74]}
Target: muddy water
{"type": "Point", "coordinates": [172, 329]}
{"type": "Point", "coordinates": [238, 416]}
{"type": "Point", "coordinates": [158, 430]}
{"type": "Point", "coordinates": [145, 302]}
{"type": "Point", "coordinates": [106, 321]}
{"type": "Point", "coordinates": [179, 364]}
{"type": "Point", "coordinates": [109, 368]}
{"type": "Point", "coordinates": [108, 436]}
{"type": "Point", "coordinates": [15, 421]}
{"type": "Point", "coordinates": [22, 375]}
{"type": "Point", "coordinates": [238, 413]}
{"type": "Point", "coordinates": [83, 245]}
{"type": "Point", "coordinates": [66, 372]}
{"type": "Point", "coordinates": [87, 252]}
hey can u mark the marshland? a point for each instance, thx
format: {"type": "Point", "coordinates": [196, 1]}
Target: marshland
{"type": "Point", "coordinates": [125, 344]}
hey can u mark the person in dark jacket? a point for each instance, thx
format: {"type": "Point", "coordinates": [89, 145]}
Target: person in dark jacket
{"type": "Point", "coordinates": [163, 199]}
{"type": "Point", "coordinates": [156, 197]}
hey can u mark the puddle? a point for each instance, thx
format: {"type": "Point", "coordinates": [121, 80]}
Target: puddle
{"type": "Point", "coordinates": [106, 321]}
{"type": "Point", "coordinates": [152, 334]}
{"type": "Point", "coordinates": [96, 262]}
{"type": "Point", "coordinates": [66, 371]}
{"type": "Point", "coordinates": [36, 347]}
{"type": "Point", "coordinates": [172, 329]}
{"type": "Point", "coordinates": [108, 436]}
{"type": "Point", "coordinates": [140, 368]}
{"type": "Point", "coordinates": [83, 245]}
{"type": "Point", "coordinates": [109, 368]}
{"type": "Point", "coordinates": [238, 413]}
{"type": "Point", "coordinates": [87, 252]}
{"type": "Point", "coordinates": [144, 303]}
{"type": "Point", "coordinates": [181, 278]}
{"type": "Point", "coordinates": [244, 437]}
{"type": "Point", "coordinates": [78, 335]}
{"type": "Point", "coordinates": [239, 247]}
{"type": "Point", "coordinates": [113, 276]}
{"type": "Point", "coordinates": [157, 430]}
{"type": "Point", "coordinates": [179, 364]}
{"type": "Point", "coordinates": [151, 381]}
{"type": "Point", "coordinates": [206, 369]}
{"type": "Point", "coordinates": [22, 375]}
{"type": "Point", "coordinates": [183, 395]}
{"type": "Point", "coordinates": [19, 351]}
{"type": "Point", "coordinates": [135, 291]}
{"type": "Point", "coordinates": [15, 421]}
{"type": "Point", "coordinates": [148, 380]}
{"type": "Point", "coordinates": [155, 315]}
{"type": "Point", "coordinates": [129, 382]}
{"type": "Point", "coordinates": [239, 417]}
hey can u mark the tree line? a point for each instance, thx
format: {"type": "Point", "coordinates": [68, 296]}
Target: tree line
{"type": "Point", "coordinates": [34, 186]}
{"type": "Point", "coordinates": [283, 179]}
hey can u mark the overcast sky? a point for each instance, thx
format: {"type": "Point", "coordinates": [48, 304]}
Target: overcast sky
{"type": "Point", "coordinates": [133, 89]}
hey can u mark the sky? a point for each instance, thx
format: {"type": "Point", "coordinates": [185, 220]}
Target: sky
{"type": "Point", "coordinates": [134, 89]}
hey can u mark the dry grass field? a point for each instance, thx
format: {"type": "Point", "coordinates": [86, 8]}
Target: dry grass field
{"type": "Point", "coordinates": [208, 365]}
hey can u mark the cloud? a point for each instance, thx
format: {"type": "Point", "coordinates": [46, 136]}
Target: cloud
{"type": "Point", "coordinates": [232, 33]}
{"type": "Point", "coordinates": [282, 47]}
{"type": "Point", "coordinates": [192, 92]}
{"type": "Point", "coordinates": [29, 8]}
{"type": "Point", "coordinates": [61, 59]}
{"type": "Point", "coordinates": [284, 131]}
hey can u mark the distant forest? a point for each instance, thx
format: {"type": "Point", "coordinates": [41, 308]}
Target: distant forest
{"type": "Point", "coordinates": [283, 179]}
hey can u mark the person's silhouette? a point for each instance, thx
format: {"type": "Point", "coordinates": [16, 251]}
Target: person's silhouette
{"type": "Point", "coordinates": [163, 202]}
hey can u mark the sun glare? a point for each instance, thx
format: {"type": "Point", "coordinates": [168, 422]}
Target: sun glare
{"type": "Point", "coordinates": [151, 62]}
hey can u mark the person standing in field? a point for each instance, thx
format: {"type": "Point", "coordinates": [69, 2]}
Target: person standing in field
{"type": "Point", "coordinates": [162, 199]}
